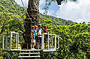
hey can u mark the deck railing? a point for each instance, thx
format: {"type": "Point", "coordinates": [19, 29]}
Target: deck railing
{"type": "Point", "coordinates": [52, 41]}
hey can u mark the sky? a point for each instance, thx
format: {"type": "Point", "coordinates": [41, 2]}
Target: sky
{"type": "Point", "coordinates": [76, 11]}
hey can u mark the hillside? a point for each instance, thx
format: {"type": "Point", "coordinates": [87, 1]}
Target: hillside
{"type": "Point", "coordinates": [56, 21]}
{"type": "Point", "coordinates": [10, 7]}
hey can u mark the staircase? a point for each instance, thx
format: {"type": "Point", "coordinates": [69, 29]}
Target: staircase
{"type": "Point", "coordinates": [29, 53]}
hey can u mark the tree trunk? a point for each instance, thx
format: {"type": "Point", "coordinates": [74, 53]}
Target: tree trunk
{"type": "Point", "coordinates": [32, 17]}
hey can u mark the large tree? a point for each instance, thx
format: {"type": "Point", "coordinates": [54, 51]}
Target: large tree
{"type": "Point", "coordinates": [33, 16]}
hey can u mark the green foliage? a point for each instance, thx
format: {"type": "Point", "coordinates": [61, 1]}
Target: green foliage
{"type": "Point", "coordinates": [11, 22]}
{"type": "Point", "coordinates": [74, 38]}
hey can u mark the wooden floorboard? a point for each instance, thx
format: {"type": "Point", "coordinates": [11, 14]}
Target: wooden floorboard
{"type": "Point", "coordinates": [30, 53]}
{"type": "Point", "coordinates": [28, 56]}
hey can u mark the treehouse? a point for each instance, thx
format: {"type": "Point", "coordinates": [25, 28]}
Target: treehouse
{"type": "Point", "coordinates": [12, 43]}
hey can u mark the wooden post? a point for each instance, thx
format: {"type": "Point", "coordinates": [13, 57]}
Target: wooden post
{"type": "Point", "coordinates": [18, 39]}
{"type": "Point", "coordinates": [11, 41]}
{"type": "Point", "coordinates": [6, 42]}
{"type": "Point", "coordinates": [16, 42]}
{"type": "Point", "coordinates": [55, 41]}
{"type": "Point", "coordinates": [48, 40]}
{"type": "Point", "coordinates": [58, 41]}
{"type": "Point", "coordinates": [3, 42]}
{"type": "Point", "coordinates": [43, 41]}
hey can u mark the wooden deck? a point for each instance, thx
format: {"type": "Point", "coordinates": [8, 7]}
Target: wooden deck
{"type": "Point", "coordinates": [44, 50]}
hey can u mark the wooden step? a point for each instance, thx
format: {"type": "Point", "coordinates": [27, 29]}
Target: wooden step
{"type": "Point", "coordinates": [28, 56]}
{"type": "Point", "coordinates": [30, 50]}
{"type": "Point", "coordinates": [30, 53]}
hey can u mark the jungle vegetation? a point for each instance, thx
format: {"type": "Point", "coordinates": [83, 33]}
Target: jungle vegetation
{"type": "Point", "coordinates": [74, 37]}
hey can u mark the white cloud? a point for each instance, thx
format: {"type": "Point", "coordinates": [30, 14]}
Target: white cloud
{"type": "Point", "coordinates": [76, 11]}
{"type": "Point", "coordinates": [25, 2]}
{"type": "Point", "coordinates": [41, 4]}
